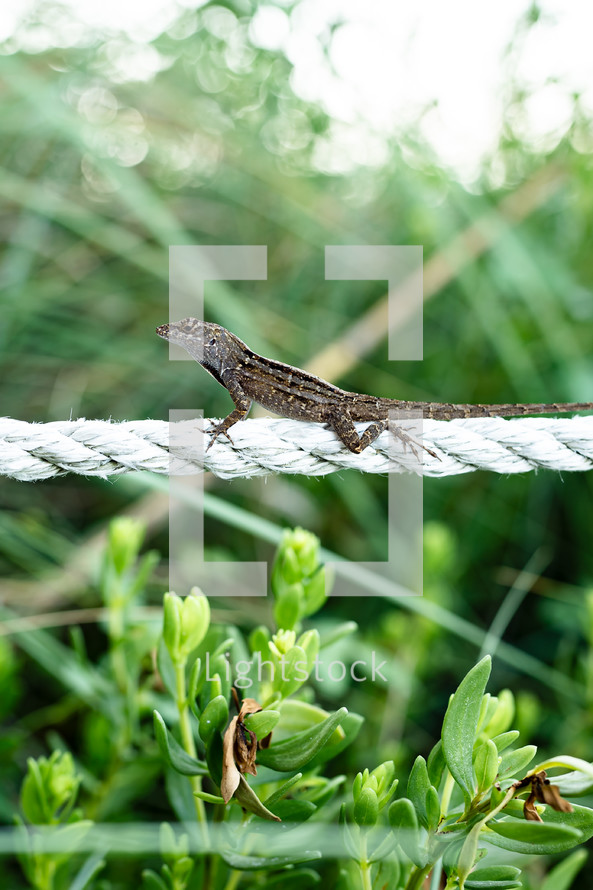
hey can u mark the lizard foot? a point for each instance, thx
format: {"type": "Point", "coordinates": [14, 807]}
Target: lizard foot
{"type": "Point", "coordinates": [409, 442]}
{"type": "Point", "coordinates": [216, 430]}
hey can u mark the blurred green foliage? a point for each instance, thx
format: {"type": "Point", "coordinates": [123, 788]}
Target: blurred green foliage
{"type": "Point", "coordinates": [102, 169]}
{"type": "Point", "coordinates": [458, 801]}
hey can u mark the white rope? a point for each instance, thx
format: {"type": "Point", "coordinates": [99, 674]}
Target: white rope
{"type": "Point", "coordinates": [31, 451]}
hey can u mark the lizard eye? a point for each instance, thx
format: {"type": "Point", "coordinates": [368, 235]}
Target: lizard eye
{"type": "Point", "coordinates": [212, 341]}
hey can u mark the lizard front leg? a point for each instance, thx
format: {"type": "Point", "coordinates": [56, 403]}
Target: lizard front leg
{"type": "Point", "coordinates": [242, 406]}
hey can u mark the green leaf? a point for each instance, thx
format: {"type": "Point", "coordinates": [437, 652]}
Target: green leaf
{"type": "Point", "coordinates": [471, 884]}
{"type": "Point", "coordinates": [295, 669]}
{"type": "Point", "coordinates": [488, 709]}
{"type": "Point", "coordinates": [89, 870]}
{"type": "Point", "coordinates": [214, 717]}
{"type": "Point", "coordinates": [346, 629]}
{"type": "Point", "coordinates": [567, 761]}
{"type": "Point", "coordinates": [295, 752]}
{"type": "Point", "coordinates": [223, 647]}
{"type": "Point", "coordinates": [294, 810]}
{"type": "Point", "coordinates": [172, 624]}
{"type": "Point", "coordinates": [248, 799]}
{"type": "Point", "coordinates": [317, 589]}
{"type": "Point", "coordinates": [349, 729]}
{"type": "Point", "coordinates": [468, 855]}
{"type": "Point", "coordinates": [436, 764]}
{"type": "Point", "coordinates": [352, 847]}
{"type": "Point", "coordinates": [388, 873]}
{"type": "Point", "coordinates": [173, 753]}
{"type": "Point", "coordinates": [214, 758]}
{"type": "Point", "coordinates": [194, 685]}
{"type": "Point", "coordinates": [383, 850]}
{"type": "Point", "coordinates": [152, 881]}
{"type": "Point", "coordinates": [497, 873]}
{"type": "Point", "coordinates": [33, 797]}
{"type": "Point", "coordinates": [532, 838]}
{"type": "Point", "coordinates": [299, 715]}
{"type": "Point", "coordinates": [418, 785]}
{"type": "Point", "coordinates": [251, 863]}
{"type": "Point", "coordinates": [505, 739]}
{"type": "Point", "coordinates": [516, 762]}
{"type": "Point", "coordinates": [68, 838]}
{"type": "Point", "coordinates": [215, 681]}
{"type": "Point", "coordinates": [485, 765]}
{"type": "Point", "coordinates": [460, 725]}
{"type": "Point", "coordinates": [562, 876]}
{"type": "Point", "coordinates": [403, 820]}
{"type": "Point", "coordinates": [573, 784]}
{"type": "Point", "coordinates": [258, 641]}
{"type": "Point", "coordinates": [180, 796]}
{"type": "Point", "coordinates": [497, 877]}
{"type": "Point", "coordinates": [300, 879]}
{"type": "Point", "coordinates": [262, 723]}
{"type": "Point", "coordinates": [288, 606]}
{"type": "Point", "coordinates": [366, 808]}
{"type": "Point", "coordinates": [166, 668]}
{"type": "Point", "coordinates": [433, 809]}
{"type": "Point", "coordinates": [284, 789]}
{"type": "Point", "coordinates": [503, 713]}
{"type": "Point", "coordinates": [581, 818]}
{"type": "Point", "coordinates": [309, 643]}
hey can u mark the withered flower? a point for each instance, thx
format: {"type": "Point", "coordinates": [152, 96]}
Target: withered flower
{"type": "Point", "coordinates": [542, 791]}
{"type": "Point", "coordinates": [239, 748]}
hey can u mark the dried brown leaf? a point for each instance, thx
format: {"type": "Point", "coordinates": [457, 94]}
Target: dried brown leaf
{"type": "Point", "coordinates": [245, 749]}
{"type": "Point", "coordinates": [530, 811]}
{"type": "Point", "coordinates": [230, 774]}
{"type": "Point", "coordinates": [550, 794]}
{"type": "Point", "coordinates": [249, 706]}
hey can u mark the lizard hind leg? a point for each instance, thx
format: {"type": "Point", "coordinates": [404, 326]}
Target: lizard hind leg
{"type": "Point", "coordinates": [344, 428]}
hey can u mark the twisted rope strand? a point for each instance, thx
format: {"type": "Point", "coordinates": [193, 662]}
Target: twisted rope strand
{"type": "Point", "coordinates": [33, 451]}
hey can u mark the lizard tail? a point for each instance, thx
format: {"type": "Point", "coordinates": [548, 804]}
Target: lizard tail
{"type": "Point", "coordinates": [445, 411]}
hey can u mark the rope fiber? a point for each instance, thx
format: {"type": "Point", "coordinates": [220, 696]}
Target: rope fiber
{"type": "Point", "coordinates": [34, 451]}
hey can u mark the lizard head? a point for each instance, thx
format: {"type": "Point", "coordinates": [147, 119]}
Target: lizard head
{"type": "Point", "coordinates": [206, 342]}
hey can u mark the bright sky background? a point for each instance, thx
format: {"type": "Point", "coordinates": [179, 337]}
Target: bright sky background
{"type": "Point", "coordinates": [438, 65]}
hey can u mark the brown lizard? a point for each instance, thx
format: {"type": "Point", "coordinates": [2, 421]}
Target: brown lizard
{"type": "Point", "coordinates": [293, 393]}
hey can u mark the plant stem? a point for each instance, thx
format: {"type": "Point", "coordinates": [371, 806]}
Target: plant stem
{"type": "Point", "coordinates": [116, 637]}
{"type": "Point", "coordinates": [447, 791]}
{"type": "Point", "coordinates": [45, 872]}
{"type": "Point", "coordinates": [417, 877]}
{"type": "Point", "coordinates": [233, 880]}
{"type": "Point", "coordinates": [365, 865]}
{"type": "Point", "coordinates": [365, 871]}
{"type": "Point", "coordinates": [187, 740]}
